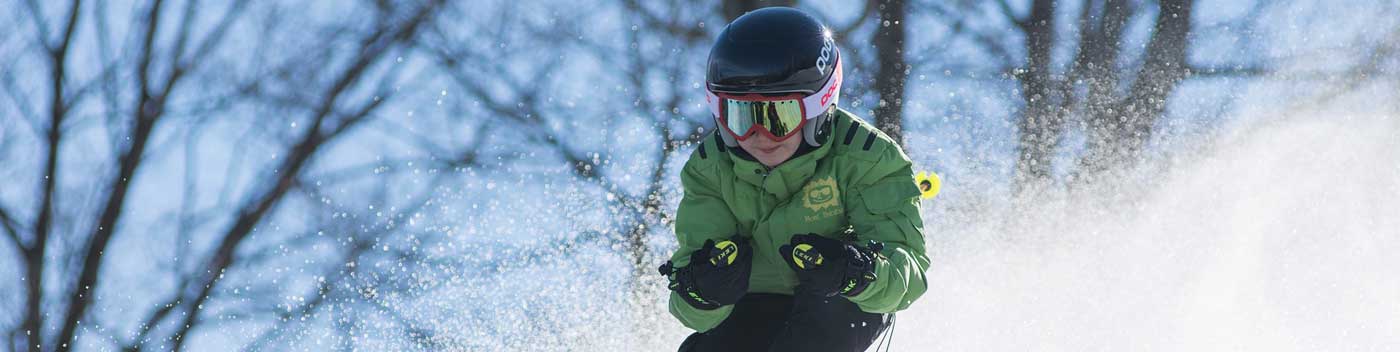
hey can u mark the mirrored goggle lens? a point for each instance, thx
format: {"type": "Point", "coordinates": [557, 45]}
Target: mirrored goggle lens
{"type": "Point", "coordinates": [779, 117]}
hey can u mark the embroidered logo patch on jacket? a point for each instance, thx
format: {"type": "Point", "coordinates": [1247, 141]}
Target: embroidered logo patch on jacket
{"type": "Point", "coordinates": [822, 197]}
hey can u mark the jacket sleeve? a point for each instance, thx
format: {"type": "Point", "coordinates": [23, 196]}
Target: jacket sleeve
{"type": "Point", "coordinates": [885, 209]}
{"type": "Point", "coordinates": [702, 215]}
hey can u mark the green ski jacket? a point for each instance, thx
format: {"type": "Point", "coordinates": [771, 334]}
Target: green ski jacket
{"type": "Point", "coordinates": [859, 182]}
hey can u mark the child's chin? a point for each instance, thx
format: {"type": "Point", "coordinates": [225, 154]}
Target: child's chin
{"type": "Point", "coordinates": [770, 160]}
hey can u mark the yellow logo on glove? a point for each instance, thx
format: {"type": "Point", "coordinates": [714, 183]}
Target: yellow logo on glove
{"type": "Point", "coordinates": [804, 255]}
{"type": "Point", "coordinates": [725, 250]}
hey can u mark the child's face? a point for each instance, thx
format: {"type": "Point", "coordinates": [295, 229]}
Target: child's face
{"type": "Point", "coordinates": [769, 152]}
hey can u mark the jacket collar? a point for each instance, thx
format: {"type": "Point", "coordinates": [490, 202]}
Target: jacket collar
{"type": "Point", "coordinates": [788, 177]}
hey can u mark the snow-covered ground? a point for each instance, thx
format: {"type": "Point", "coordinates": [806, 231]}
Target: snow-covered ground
{"type": "Point", "coordinates": [1281, 236]}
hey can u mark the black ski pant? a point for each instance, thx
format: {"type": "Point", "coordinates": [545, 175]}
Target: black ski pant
{"type": "Point", "coordinates": [773, 322]}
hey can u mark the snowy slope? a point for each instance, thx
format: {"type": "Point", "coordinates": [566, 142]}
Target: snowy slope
{"type": "Point", "coordinates": [1281, 237]}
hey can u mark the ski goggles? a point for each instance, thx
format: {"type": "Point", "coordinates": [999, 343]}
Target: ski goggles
{"type": "Point", "coordinates": [777, 116]}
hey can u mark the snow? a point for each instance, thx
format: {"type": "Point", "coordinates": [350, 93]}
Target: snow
{"type": "Point", "coordinates": [1280, 237]}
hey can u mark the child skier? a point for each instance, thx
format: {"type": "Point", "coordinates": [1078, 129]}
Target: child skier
{"type": "Point", "coordinates": [799, 228]}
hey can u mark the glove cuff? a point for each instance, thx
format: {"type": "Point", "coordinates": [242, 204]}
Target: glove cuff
{"type": "Point", "coordinates": [860, 268]}
{"type": "Point", "coordinates": [683, 284]}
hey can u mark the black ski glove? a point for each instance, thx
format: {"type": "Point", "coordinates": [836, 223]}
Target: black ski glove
{"type": "Point", "coordinates": [828, 267]}
{"type": "Point", "coordinates": [718, 274]}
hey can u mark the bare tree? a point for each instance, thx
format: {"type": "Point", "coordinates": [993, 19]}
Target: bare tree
{"type": "Point", "coordinates": [665, 47]}
{"type": "Point", "coordinates": [1117, 93]}
{"type": "Point", "coordinates": [166, 54]}
{"type": "Point", "coordinates": [326, 90]}
{"type": "Point", "coordinates": [330, 118]}
{"type": "Point", "coordinates": [1119, 127]}
{"type": "Point", "coordinates": [152, 95]}
{"type": "Point", "coordinates": [34, 250]}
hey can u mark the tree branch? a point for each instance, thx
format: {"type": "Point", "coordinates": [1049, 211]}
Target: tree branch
{"type": "Point", "coordinates": [148, 111]}
{"type": "Point", "coordinates": [688, 33]}
{"type": "Point", "coordinates": [11, 230]}
{"type": "Point", "coordinates": [22, 103]}
{"type": "Point", "coordinates": [580, 166]}
{"type": "Point", "coordinates": [957, 22]}
{"type": "Point", "coordinates": [865, 12]}
{"type": "Point", "coordinates": [527, 112]}
{"type": "Point", "coordinates": [323, 291]}
{"type": "Point", "coordinates": [182, 33]}
{"type": "Point", "coordinates": [335, 276]}
{"type": "Point", "coordinates": [41, 26]}
{"type": "Point", "coordinates": [109, 83]}
{"type": "Point", "coordinates": [299, 155]}
{"type": "Point", "coordinates": [1361, 73]}
{"type": "Point", "coordinates": [43, 225]}
{"type": "Point", "coordinates": [1197, 71]}
{"type": "Point", "coordinates": [215, 37]}
{"type": "Point", "coordinates": [1010, 15]}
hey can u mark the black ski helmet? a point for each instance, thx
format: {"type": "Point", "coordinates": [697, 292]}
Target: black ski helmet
{"type": "Point", "coordinates": [777, 50]}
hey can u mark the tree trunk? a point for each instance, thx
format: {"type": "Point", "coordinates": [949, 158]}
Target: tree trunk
{"type": "Point", "coordinates": [732, 9]}
{"type": "Point", "coordinates": [1042, 120]}
{"type": "Point", "coordinates": [893, 70]}
{"type": "Point", "coordinates": [1122, 131]}
{"type": "Point", "coordinates": [1096, 67]}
